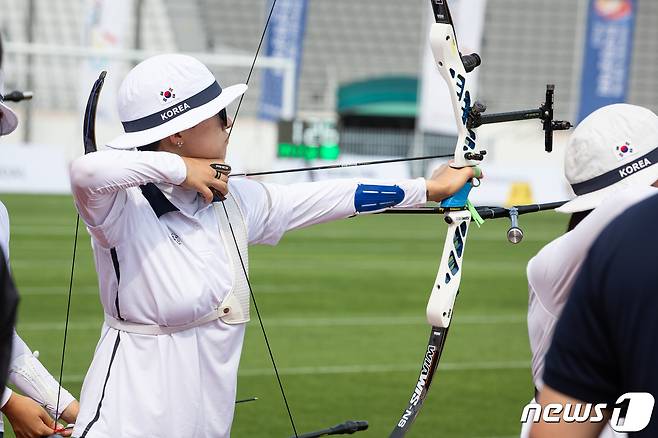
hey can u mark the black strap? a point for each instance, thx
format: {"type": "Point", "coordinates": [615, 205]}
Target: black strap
{"type": "Point", "coordinates": [158, 201]}
{"type": "Point", "coordinates": [107, 377]}
{"type": "Point", "coordinates": [117, 272]}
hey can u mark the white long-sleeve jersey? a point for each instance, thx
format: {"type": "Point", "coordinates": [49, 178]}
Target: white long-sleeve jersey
{"type": "Point", "coordinates": [552, 272]}
{"type": "Point", "coordinates": [171, 270]}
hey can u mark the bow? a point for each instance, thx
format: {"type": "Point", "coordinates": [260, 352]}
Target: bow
{"type": "Point", "coordinates": [89, 140]}
{"type": "Point", "coordinates": [453, 68]}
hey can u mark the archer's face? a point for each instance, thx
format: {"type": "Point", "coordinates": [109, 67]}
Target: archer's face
{"type": "Point", "coordinates": [208, 139]}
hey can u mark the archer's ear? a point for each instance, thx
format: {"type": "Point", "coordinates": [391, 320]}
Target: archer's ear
{"type": "Point", "coordinates": [175, 138]}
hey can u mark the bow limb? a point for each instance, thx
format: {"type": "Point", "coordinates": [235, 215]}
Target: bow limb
{"type": "Point", "coordinates": [453, 68]}
{"type": "Point", "coordinates": [89, 140]}
{"type": "Point", "coordinates": [89, 122]}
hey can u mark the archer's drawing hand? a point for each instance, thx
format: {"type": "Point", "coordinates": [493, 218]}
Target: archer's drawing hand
{"type": "Point", "coordinates": [203, 178]}
{"type": "Point", "coordinates": [28, 419]}
{"type": "Point", "coordinates": [446, 181]}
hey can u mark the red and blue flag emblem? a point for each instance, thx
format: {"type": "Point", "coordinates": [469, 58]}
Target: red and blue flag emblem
{"type": "Point", "coordinates": [624, 150]}
{"type": "Point", "coordinates": [167, 94]}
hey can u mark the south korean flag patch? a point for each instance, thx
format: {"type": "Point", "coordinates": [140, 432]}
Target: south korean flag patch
{"type": "Point", "coordinates": [624, 150]}
{"type": "Point", "coordinates": [167, 95]}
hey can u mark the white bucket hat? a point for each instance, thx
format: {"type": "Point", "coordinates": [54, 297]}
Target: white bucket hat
{"type": "Point", "coordinates": [614, 147]}
{"type": "Point", "coordinates": [166, 94]}
{"type": "Point", "coordinates": [8, 119]}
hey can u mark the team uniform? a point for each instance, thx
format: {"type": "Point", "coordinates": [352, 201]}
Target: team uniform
{"type": "Point", "coordinates": [552, 272]}
{"type": "Point", "coordinates": [605, 343]}
{"type": "Point", "coordinates": [25, 370]}
{"type": "Point", "coordinates": [172, 286]}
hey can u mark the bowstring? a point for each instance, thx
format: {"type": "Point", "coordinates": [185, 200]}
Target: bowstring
{"type": "Point", "coordinates": [253, 64]}
{"type": "Point", "coordinates": [66, 325]}
{"type": "Point", "coordinates": [235, 241]}
{"type": "Point", "coordinates": [260, 320]}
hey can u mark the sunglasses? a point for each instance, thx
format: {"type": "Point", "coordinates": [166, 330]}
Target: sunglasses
{"type": "Point", "coordinates": [223, 118]}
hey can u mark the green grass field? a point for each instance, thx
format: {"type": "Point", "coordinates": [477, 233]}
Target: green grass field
{"type": "Point", "coordinates": [344, 307]}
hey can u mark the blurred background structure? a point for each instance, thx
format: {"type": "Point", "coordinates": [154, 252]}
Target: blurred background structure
{"type": "Point", "coordinates": [361, 64]}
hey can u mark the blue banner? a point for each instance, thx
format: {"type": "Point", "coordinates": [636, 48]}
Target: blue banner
{"type": "Point", "coordinates": [285, 39]}
{"type": "Point", "coordinates": [608, 54]}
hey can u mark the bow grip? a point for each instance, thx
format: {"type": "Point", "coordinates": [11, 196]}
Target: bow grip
{"type": "Point", "coordinates": [458, 199]}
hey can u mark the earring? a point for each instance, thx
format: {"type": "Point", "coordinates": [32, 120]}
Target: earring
{"type": "Point", "coordinates": [179, 144]}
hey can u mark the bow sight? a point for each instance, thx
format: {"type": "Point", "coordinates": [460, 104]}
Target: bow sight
{"type": "Point", "coordinates": [544, 113]}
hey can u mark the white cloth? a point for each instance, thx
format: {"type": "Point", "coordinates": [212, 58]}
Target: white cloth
{"type": "Point", "coordinates": [173, 270]}
{"type": "Point", "coordinates": [553, 270]}
{"type": "Point", "coordinates": [32, 379]}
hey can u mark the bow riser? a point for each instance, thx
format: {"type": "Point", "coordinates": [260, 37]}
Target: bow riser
{"type": "Point", "coordinates": [449, 62]}
{"type": "Point", "coordinates": [446, 286]}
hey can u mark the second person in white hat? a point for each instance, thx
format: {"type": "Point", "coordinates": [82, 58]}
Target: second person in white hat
{"type": "Point", "coordinates": [611, 162]}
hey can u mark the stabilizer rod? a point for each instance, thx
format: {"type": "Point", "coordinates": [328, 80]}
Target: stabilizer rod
{"type": "Point", "coordinates": [484, 212]}
{"type": "Point", "coordinates": [514, 233]}
{"type": "Point", "coordinates": [348, 427]}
